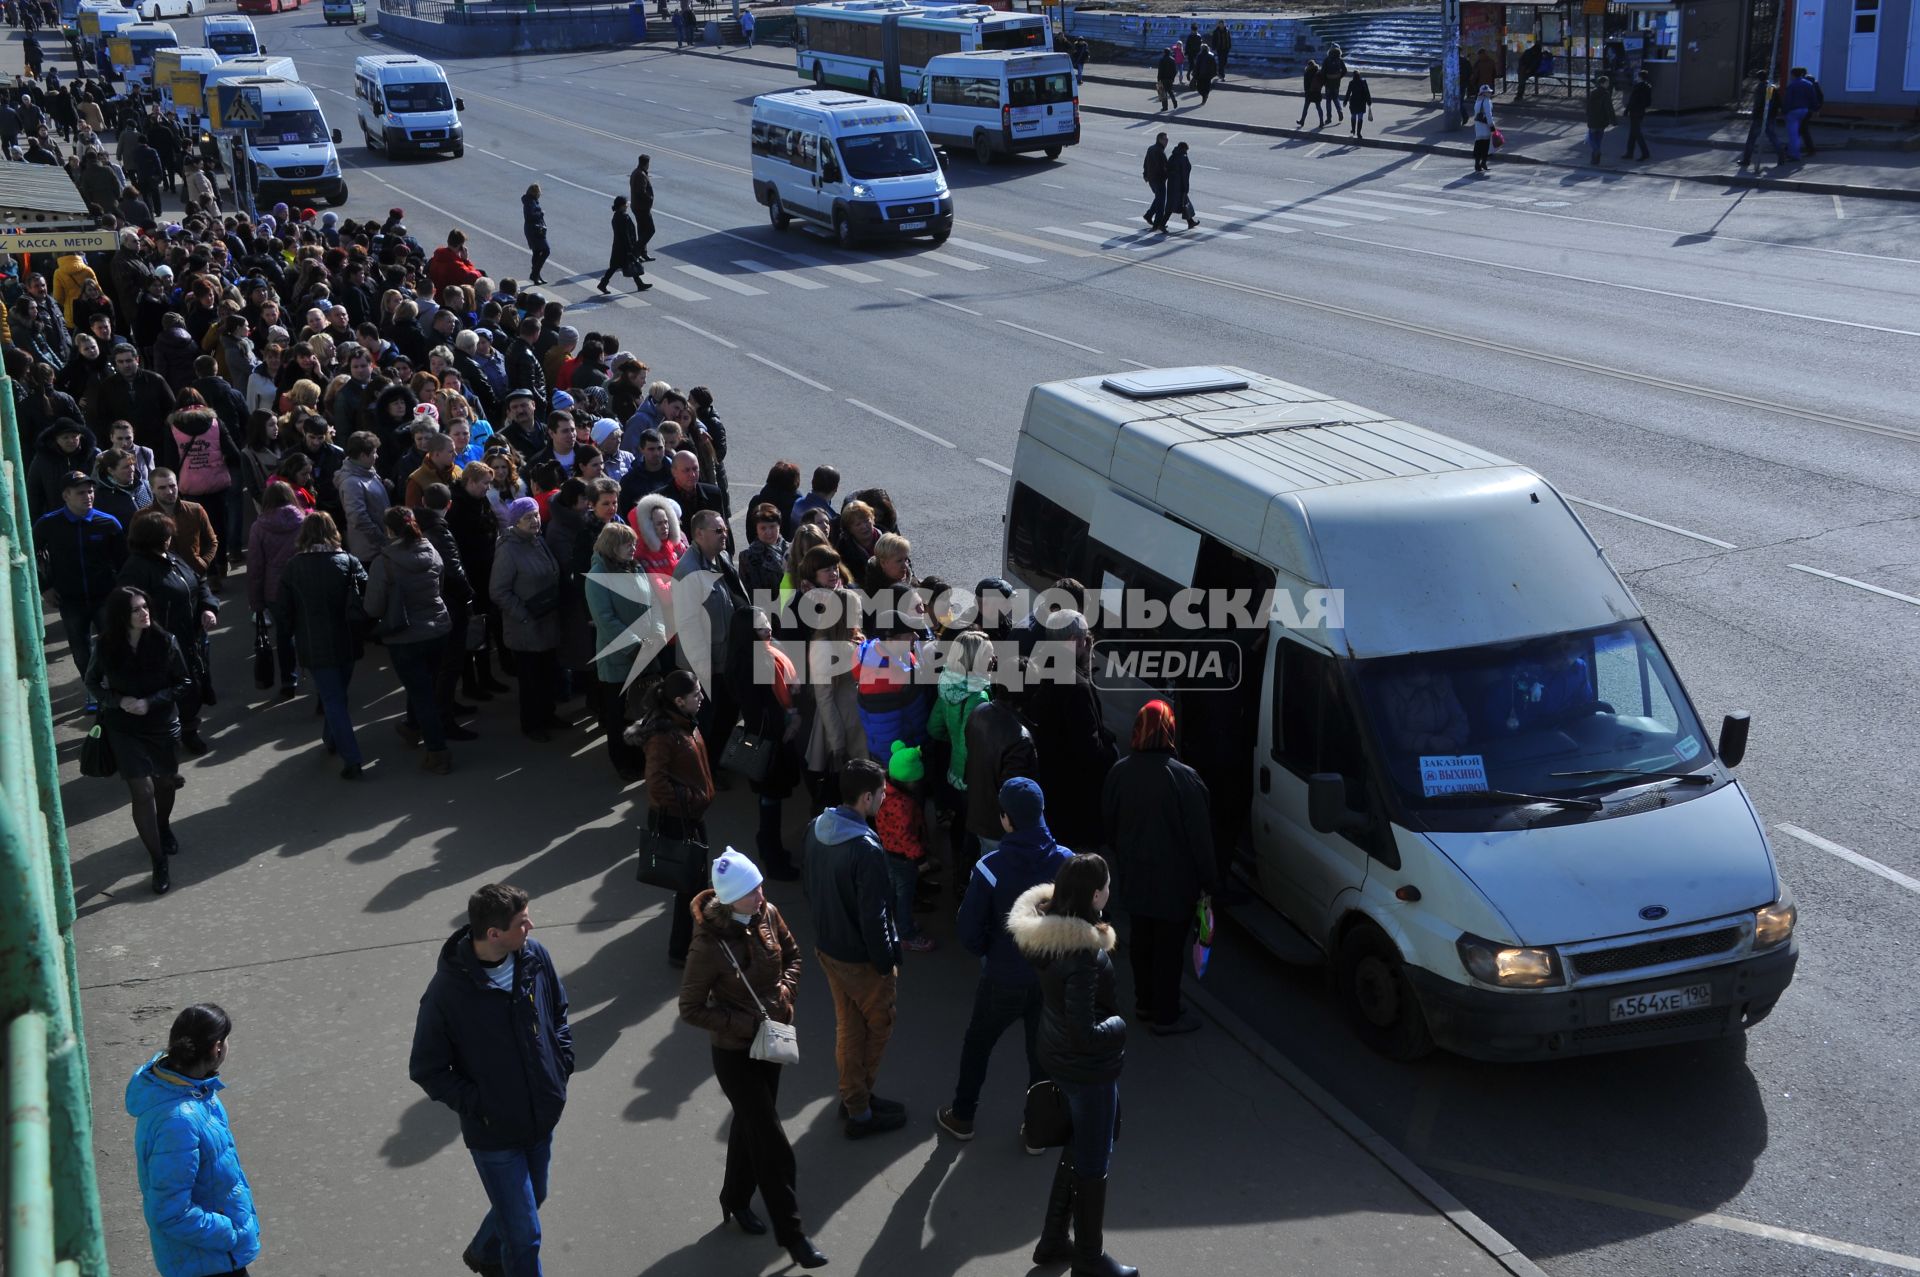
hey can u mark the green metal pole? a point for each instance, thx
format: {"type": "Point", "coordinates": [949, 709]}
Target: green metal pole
{"type": "Point", "coordinates": [29, 1186]}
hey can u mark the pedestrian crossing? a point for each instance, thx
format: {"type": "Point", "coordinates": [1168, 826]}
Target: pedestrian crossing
{"type": "Point", "coordinates": [781, 271]}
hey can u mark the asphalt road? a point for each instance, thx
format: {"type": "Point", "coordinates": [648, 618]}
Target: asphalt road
{"type": "Point", "coordinates": [1726, 380]}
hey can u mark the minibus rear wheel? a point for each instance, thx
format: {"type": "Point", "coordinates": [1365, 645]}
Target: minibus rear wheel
{"type": "Point", "coordinates": [1378, 997]}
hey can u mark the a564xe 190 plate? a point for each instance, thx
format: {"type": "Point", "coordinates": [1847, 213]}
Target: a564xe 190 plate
{"type": "Point", "coordinates": [1640, 1006]}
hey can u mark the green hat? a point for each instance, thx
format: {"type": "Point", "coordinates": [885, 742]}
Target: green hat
{"type": "Point", "coordinates": [905, 765]}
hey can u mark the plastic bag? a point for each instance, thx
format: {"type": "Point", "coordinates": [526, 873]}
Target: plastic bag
{"type": "Point", "coordinates": [1202, 935]}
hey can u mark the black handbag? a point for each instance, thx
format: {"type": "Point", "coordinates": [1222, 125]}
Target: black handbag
{"type": "Point", "coordinates": [543, 604]}
{"type": "Point", "coordinates": [749, 755]}
{"type": "Point", "coordinates": [96, 753]}
{"type": "Point", "coordinates": [262, 653]}
{"type": "Point", "coordinates": [1048, 1122]}
{"type": "Point", "coordinates": [680, 865]}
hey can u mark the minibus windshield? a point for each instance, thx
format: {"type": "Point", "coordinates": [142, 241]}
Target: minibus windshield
{"type": "Point", "coordinates": [1517, 717]}
{"type": "Point", "coordinates": [405, 99]}
{"type": "Point", "coordinates": [900, 153]}
{"type": "Point", "coordinates": [290, 128]}
{"type": "Point", "coordinates": [231, 44]}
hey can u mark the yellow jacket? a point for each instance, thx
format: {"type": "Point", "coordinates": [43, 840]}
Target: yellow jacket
{"type": "Point", "coordinates": [72, 272]}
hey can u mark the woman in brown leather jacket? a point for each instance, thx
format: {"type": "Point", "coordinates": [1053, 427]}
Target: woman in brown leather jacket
{"type": "Point", "coordinates": [744, 959]}
{"type": "Point", "coordinates": [679, 782]}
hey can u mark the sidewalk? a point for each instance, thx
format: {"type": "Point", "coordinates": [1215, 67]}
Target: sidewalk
{"type": "Point", "coordinates": [1699, 148]}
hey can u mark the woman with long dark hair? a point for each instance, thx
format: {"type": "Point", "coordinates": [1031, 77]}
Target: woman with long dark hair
{"type": "Point", "coordinates": [182, 605]}
{"type": "Point", "coordinates": [1082, 1045]}
{"type": "Point", "coordinates": [316, 588]}
{"type": "Point", "coordinates": [409, 566]}
{"type": "Point", "coordinates": [198, 1203]}
{"type": "Point", "coordinates": [679, 783]}
{"type": "Point", "coordinates": [137, 675]}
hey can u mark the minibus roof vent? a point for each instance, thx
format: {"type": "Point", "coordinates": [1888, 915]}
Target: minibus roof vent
{"type": "Point", "coordinates": [1259, 418]}
{"type": "Point", "coordinates": [1163, 383]}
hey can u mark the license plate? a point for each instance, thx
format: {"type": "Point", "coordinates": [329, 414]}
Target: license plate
{"type": "Point", "coordinates": [1640, 1006]}
{"type": "Point", "coordinates": [306, 190]}
{"type": "Point", "coordinates": [913, 226]}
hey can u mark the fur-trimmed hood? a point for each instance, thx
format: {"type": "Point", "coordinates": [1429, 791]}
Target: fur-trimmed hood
{"type": "Point", "coordinates": [643, 519]}
{"type": "Point", "coordinates": [1041, 936]}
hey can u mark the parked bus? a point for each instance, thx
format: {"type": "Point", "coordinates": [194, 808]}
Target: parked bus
{"type": "Point", "coordinates": [882, 47]}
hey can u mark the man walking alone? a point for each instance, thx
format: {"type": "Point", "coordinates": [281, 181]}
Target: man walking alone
{"type": "Point", "coordinates": [1639, 99]}
{"type": "Point", "coordinates": [858, 944]}
{"type": "Point", "coordinates": [1154, 171]}
{"type": "Point", "coordinates": [492, 1043]}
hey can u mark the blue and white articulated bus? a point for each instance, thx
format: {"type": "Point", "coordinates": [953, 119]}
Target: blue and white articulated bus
{"type": "Point", "coordinates": [882, 47]}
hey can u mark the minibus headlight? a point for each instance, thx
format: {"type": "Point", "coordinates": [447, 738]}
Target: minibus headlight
{"type": "Point", "coordinates": [1507, 966]}
{"type": "Point", "coordinates": [861, 190]}
{"type": "Point", "coordinates": [1773, 924]}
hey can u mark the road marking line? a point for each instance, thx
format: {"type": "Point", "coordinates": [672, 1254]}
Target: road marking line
{"type": "Point", "coordinates": [508, 158]}
{"type": "Point", "coordinates": [1673, 193]}
{"type": "Point", "coordinates": [844, 272]}
{"type": "Point", "coordinates": [959, 263]}
{"type": "Point", "coordinates": [629, 301]}
{"type": "Point", "coordinates": [1860, 585]}
{"type": "Point", "coordinates": [773, 272]}
{"type": "Point", "coordinates": [1049, 336]}
{"type": "Point", "coordinates": [1867, 863]}
{"type": "Point", "coordinates": [1308, 218]}
{"type": "Point", "coordinates": [973, 247]}
{"type": "Point", "coordinates": [1256, 219]}
{"type": "Point", "coordinates": [1228, 138]}
{"type": "Point", "coordinates": [762, 359]}
{"type": "Point", "coordinates": [904, 425]}
{"type": "Point", "coordinates": [1055, 185]}
{"type": "Point", "coordinates": [1318, 148]}
{"type": "Point", "coordinates": [995, 465]}
{"type": "Point", "coordinates": [1837, 210]}
{"type": "Point", "coordinates": [1370, 203]}
{"type": "Point", "coordinates": [936, 301]}
{"type": "Point", "coordinates": [1079, 235]}
{"type": "Point", "coordinates": [675, 319]}
{"type": "Point", "coordinates": [1203, 232]}
{"type": "Point", "coordinates": [1653, 523]}
{"type": "Point", "coordinates": [1374, 194]}
{"type": "Point", "coordinates": [902, 268]}
{"type": "Point", "coordinates": [1136, 363]}
{"type": "Point", "coordinates": [1478, 193]}
{"type": "Point", "coordinates": [672, 289]}
{"type": "Point", "coordinates": [1636, 288]}
{"type": "Point", "coordinates": [1290, 206]}
{"type": "Point", "coordinates": [721, 281]}
{"type": "Point", "coordinates": [576, 186]}
{"type": "Point", "coordinates": [1122, 232]}
{"type": "Point", "coordinates": [1422, 160]}
{"type": "Point", "coordinates": [1065, 250]}
{"type": "Point", "coordinates": [1709, 1219]}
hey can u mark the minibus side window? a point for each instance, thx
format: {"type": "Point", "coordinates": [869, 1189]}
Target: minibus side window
{"type": "Point", "coordinates": [1313, 726]}
{"type": "Point", "coordinates": [1045, 540]}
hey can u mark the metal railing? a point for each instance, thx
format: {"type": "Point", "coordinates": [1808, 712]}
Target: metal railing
{"type": "Point", "coordinates": [53, 1226]}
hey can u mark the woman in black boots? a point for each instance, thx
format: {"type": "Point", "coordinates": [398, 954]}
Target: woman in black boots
{"type": "Point", "coordinates": [1082, 1046]}
{"type": "Point", "coordinates": [137, 675]}
{"type": "Point", "coordinates": [475, 529]}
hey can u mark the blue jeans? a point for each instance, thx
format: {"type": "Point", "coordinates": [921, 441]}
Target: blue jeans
{"type": "Point", "coordinates": [1094, 1106]}
{"type": "Point", "coordinates": [1794, 120]}
{"type": "Point", "coordinates": [904, 874]}
{"type": "Point", "coordinates": [995, 1008]}
{"type": "Point", "coordinates": [1593, 141]}
{"type": "Point", "coordinates": [336, 729]}
{"type": "Point", "coordinates": [416, 664]}
{"type": "Point", "coordinates": [516, 1184]}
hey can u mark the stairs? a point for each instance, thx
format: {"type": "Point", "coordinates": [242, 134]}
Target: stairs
{"type": "Point", "coordinates": [1402, 41]}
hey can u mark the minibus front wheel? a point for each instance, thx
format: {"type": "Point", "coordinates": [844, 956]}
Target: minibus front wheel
{"type": "Point", "coordinates": [1378, 998]}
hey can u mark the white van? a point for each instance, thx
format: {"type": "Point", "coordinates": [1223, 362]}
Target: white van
{"type": "Point", "coordinates": [132, 49]}
{"type": "Point", "coordinates": [101, 18]}
{"type": "Point", "coordinates": [291, 155]}
{"type": "Point", "coordinates": [405, 104]}
{"type": "Point", "coordinates": [231, 35]}
{"type": "Point", "coordinates": [178, 74]}
{"type": "Point", "coordinates": [1000, 101]}
{"type": "Point", "coordinates": [252, 66]}
{"type": "Point", "coordinates": [1470, 777]}
{"type": "Point", "coordinates": [860, 166]}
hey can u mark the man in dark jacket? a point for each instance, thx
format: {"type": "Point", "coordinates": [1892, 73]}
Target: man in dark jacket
{"type": "Point", "coordinates": [999, 748]}
{"type": "Point", "coordinates": [1075, 748]}
{"type": "Point", "coordinates": [1639, 101]}
{"type": "Point", "coordinates": [1154, 172]}
{"type": "Point", "coordinates": [1222, 41]}
{"type": "Point", "coordinates": [650, 473]}
{"type": "Point", "coordinates": [857, 943]}
{"type": "Point", "coordinates": [62, 447]}
{"type": "Point", "coordinates": [492, 1043]}
{"type": "Point", "coordinates": [132, 393]}
{"type": "Point", "coordinates": [81, 551]}
{"type": "Point", "coordinates": [1008, 989]}
{"type": "Point", "coordinates": [1600, 115]}
{"type": "Point", "coordinates": [329, 458]}
{"type": "Point", "coordinates": [523, 367]}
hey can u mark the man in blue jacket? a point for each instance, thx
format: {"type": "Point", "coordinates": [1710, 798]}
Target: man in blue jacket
{"type": "Point", "coordinates": [81, 550]}
{"type": "Point", "coordinates": [1008, 990]}
{"type": "Point", "coordinates": [857, 943]}
{"type": "Point", "coordinates": [492, 1044]}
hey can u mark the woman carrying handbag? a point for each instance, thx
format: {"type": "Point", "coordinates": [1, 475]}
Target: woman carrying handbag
{"type": "Point", "coordinates": [679, 785]}
{"type": "Point", "coordinates": [743, 974]}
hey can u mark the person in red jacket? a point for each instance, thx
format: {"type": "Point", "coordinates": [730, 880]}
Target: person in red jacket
{"type": "Point", "coordinates": [450, 263]}
{"type": "Point", "coordinates": [902, 824]}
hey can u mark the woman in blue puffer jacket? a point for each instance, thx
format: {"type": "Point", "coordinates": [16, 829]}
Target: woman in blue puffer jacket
{"type": "Point", "coordinates": [198, 1203]}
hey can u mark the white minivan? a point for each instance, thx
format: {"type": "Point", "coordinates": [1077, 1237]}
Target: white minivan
{"type": "Point", "coordinates": [231, 35]}
{"type": "Point", "coordinates": [291, 155]}
{"type": "Point", "coordinates": [860, 166]}
{"type": "Point", "coordinates": [160, 10]}
{"type": "Point", "coordinates": [1000, 102]}
{"type": "Point", "coordinates": [406, 105]}
{"type": "Point", "coordinates": [1466, 770]}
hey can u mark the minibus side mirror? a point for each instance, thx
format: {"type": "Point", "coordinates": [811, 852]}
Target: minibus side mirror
{"type": "Point", "coordinates": [336, 137]}
{"type": "Point", "coordinates": [459, 104]}
{"type": "Point", "coordinates": [940, 154]}
{"type": "Point", "coordinates": [1733, 737]}
{"type": "Point", "coordinates": [1327, 809]}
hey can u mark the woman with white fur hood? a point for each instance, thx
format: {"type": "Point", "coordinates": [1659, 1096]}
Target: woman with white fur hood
{"type": "Point", "coordinates": [657, 521]}
{"type": "Point", "coordinates": [1082, 1045]}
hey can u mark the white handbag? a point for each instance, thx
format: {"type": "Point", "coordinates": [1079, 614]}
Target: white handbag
{"type": "Point", "coordinates": [774, 1042]}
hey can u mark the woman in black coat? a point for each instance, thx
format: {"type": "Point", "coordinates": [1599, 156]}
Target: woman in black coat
{"type": "Point", "coordinates": [181, 603]}
{"type": "Point", "coordinates": [534, 223]}
{"type": "Point", "coordinates": [137, 675]}
{"type": "Point", "coordinates": [1159, 827]}
{"type": "Point", "coordinates": [320, 589]}
{"type": "Point", "coordinates": [1179, 184]}
{"type": "Point", "coordinates": [1082, 1044]}
{"type": "Point", "coordinates": [476, 531]}
{"type": "Point", "coordinates": [625, 256]}
{"type": "Point", "coordinates": [767, 693]}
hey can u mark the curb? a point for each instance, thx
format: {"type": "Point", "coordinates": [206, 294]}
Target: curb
{"type": "Point", "coordinates": [1402, 1167]}
{"type": "Point", "coordinates": [1432, 148]}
